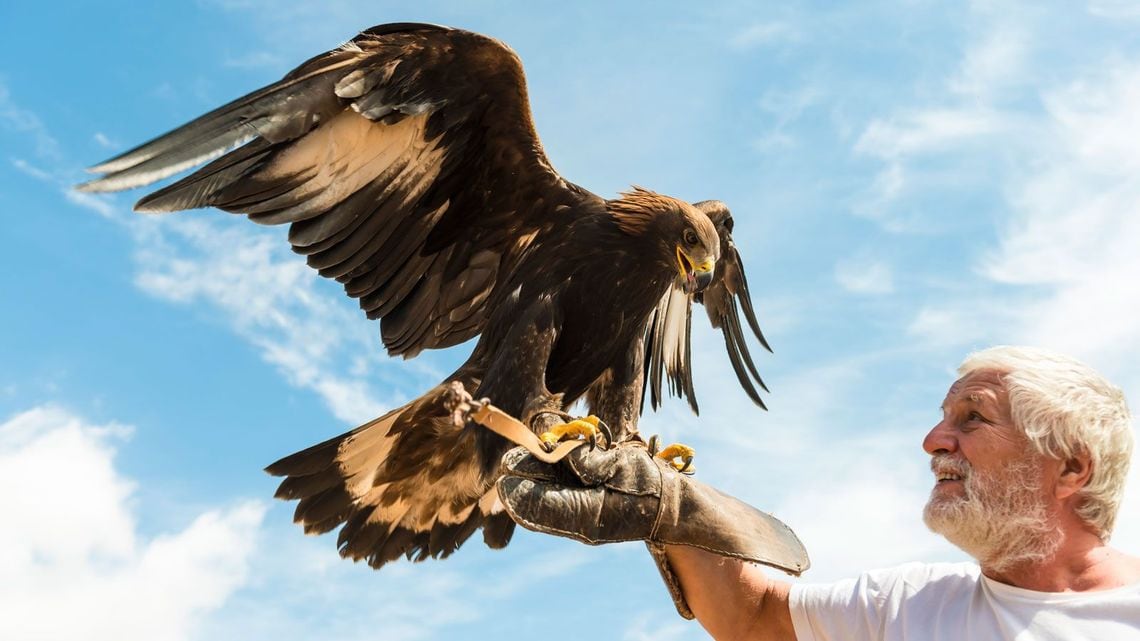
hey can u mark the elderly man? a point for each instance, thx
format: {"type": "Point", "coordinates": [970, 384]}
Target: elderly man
{"type": "Point", "coordinates": [1029, 462]}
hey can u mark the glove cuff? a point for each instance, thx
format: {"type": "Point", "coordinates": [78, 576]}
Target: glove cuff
{"type": "Point", "coordinates": [700, 516]}
{"type": "Point", "coordinates": [657, 551]}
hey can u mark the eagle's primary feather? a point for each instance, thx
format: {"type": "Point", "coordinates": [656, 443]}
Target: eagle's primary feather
{"type": "Point", "coordinates": [407, 167]}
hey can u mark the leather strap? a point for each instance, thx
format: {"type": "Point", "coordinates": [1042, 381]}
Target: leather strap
{"type": "Point", "coordinates": [515, 431]}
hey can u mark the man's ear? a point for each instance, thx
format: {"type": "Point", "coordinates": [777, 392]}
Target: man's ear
{"type": "Point", "coordinates": [1075, 473]}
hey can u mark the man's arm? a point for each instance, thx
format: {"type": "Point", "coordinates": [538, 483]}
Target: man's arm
{"type": "Point", "coordinates": [732, 599]}
{"type": "Point", "coordinates": [625, 494]}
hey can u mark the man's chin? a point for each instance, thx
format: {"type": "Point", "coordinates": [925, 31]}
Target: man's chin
{"type": "Point", "coordinates": [943, 515]}
{"type": "Point", "coordinates": [996, 541]}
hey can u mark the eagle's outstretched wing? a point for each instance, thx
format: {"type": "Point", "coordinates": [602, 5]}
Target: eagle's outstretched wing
{"type": "Point", "coordinates": [405, 161]}
{"type": "Point", "coordinates": [667, 343]}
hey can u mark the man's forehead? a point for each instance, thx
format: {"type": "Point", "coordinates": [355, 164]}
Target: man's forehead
{"type": "Point", "coordinates": [978, 386]}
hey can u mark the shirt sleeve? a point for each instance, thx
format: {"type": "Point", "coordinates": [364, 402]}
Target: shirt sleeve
{"type": "Point", "coordinates": [849, 610]}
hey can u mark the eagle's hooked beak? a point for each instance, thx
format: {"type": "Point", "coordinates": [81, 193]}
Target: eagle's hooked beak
{"type": "Point", "coordinates": [695, 277]}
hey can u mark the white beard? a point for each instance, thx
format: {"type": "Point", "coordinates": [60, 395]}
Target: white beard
{"type": "Point", "coordinates": [1002, 520]}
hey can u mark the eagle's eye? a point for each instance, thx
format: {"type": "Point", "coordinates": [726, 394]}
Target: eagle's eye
{"type": "Point", "coordinates": [690, 237]}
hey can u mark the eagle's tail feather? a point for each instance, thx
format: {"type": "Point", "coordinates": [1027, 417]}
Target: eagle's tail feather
{"type": "Point", "coordinates": [320, 457]}
{"type": "Point", "coordinates": [497, 530]}
{"type": "Point", "coordinates": [399, 489]}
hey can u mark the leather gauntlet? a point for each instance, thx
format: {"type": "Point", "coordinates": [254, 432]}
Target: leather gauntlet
{"type": "Point", "coordinates": [624, 494]}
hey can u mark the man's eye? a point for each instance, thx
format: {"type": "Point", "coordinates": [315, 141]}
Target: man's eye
{"type": "Point", "coordinates": [974, 416]}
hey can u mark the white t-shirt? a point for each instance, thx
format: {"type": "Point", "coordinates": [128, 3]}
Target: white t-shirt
{"type": "Point", "coordinates": [955, 602]}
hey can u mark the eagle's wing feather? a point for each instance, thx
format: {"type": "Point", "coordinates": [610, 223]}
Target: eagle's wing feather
{"type": "Point", "coordinates": [668, 341]}
{"type": "Point", "coordinates": [405, 162]}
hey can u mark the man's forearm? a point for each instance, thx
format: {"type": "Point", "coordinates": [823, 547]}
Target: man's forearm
{"type": "Point", "coordinates": [732, 599]}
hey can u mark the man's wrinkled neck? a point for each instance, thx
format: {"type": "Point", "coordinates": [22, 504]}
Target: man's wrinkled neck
{"type": "Point", "coordinates": [1082, 563]}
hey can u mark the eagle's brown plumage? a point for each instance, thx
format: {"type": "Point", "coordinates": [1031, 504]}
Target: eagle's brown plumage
{"type": "Point", "coordinates": [407, 167]}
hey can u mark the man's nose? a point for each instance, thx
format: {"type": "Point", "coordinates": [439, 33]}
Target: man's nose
{"type": "Point", "coordinates": [940, 439]}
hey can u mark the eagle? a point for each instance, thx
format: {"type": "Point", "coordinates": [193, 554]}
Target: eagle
{"type": "Point", "coordinates": [406, 164]}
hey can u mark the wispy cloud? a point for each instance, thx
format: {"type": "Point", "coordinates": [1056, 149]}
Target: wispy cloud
{"type": "Point", "coordinates": [879, 506]}
{"type": "Point", "coordinates": [104, 141]}
{"type": "Point", "coordinates": [763, 34]}
{"type": "Point", "coordinates": [1065, 254]}
{"type": "Point", "coordinates": [32, 170]}
{"type": "Point", "coordinates": [926, 131]}
{"type": "Point", "coordinates": [647, 626]}
{"type": "Point", "coordinates": [95, 202]}
{"type": "Point", "coordinates": [965, 113]}
{"type": "Point", "coordinates": [993, 63]}
{"type": "Point", "coordinates": [303, 590]}
{"type": "Point", "coordinates": [1075, 219]}
{"type": "Point", "coordinates": [269, 297]}
{"type": "Point", "coordinates": [865, 275]}
{"type": "Point", "coordinates": [875, 202]}
{"type": "Point", "coordinates": [24, 121]}
{"type": "Point", "coordinates": [784, 108]}
{"type": "Point", "coordinates": [1114, 9]}
{"type": "Point", "coordinates": [809, 441]}
{"type": "Point", "coordinates": [942, 326]}
{"type": "Point", "coordinates": [72, 556]}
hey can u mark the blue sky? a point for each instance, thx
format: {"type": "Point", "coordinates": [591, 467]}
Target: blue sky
{"type": "Point", "coordinates": [910, 181]}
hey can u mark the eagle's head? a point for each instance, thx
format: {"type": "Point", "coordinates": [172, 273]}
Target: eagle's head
{"type": "Point", "coordinates": [683, 236]}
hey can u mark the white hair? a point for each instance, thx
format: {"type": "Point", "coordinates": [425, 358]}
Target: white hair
{"type": "Point", "coordinates": [1065, 409]}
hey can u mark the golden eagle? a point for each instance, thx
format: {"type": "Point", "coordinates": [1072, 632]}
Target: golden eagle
{"type": "Point", "coordinates": [408, 169]}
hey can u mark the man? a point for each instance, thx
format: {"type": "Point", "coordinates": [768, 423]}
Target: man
{"type": "Point", "coordinates": [1029, 460]}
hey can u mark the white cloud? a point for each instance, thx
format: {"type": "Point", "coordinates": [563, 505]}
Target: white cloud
{"type": "Point", "coordinates": [926, 131]}
{"type": "Point", "coordinates": [826, 436]}
{"type": "Point", "coordinates": [963, 114]}
{"type": "Point", "coordinates": [31, 170]}
{"type": "Point", "coordinates": [104, 141]}
{"type": "Point", "coordinates": [904, 139]}
{"type": "Point", "coordinates": [95, 202]}
{"type": "Point", "coordinates": [647, 626]}
{"type": "Point", "coordinates": [963, 323]}
{"type": "Point", "coordinates": [1065, 270]}
{"type": "Point", "coordinates": [1075, 221]}
{"type": "Point", "coordinates": [784, 108]}
{"type": "Point", "coordinates": [763, 34]}
{"type": "Point", "coordinates": [865, 275]}
{"type": "Point", "coordinates": [854, 515]}
{"type": "Point", "coordinates": [990, 65]}
{"type": "Point", "coordinates": [875, 202]}
{"type": "Point", "coordinates": [23, 121]}
{"type": "Point", "coordinates": [300, 589]}
{"type": "Point", "coordinates": [98, 203]}
{"type": "Point", "coordinates": [270, 298]}
{"type": "Point", "coordinates": [1065, 273]}
{"type": "Point", "coordinates": [1114, 9]}
{"type": "Point", "coordinates": [73, 561]}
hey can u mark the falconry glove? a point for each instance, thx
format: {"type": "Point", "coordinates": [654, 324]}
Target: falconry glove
{"type": "Point", "coordinates": [624, 494]}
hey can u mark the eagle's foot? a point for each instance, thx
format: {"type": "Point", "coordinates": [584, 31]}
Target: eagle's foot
{"type": "Point", "coordinates": [588, 428]}
{"type": "Point", "coordinates": [678, 455]}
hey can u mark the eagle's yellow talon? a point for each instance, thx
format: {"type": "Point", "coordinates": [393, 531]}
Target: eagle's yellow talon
{"type": "Point", "coordinates": [586, 427]}
{"type": "Point", "coordinates": [680, 451]}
